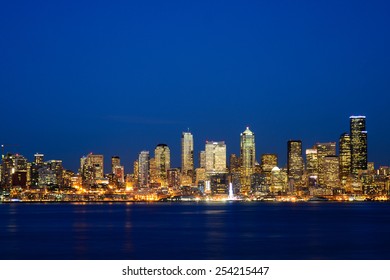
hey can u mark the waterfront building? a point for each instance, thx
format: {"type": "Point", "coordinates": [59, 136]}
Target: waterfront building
{"type": "Point", "coordinates": [295, 164]}
{"type": "Point", "coordinates": [143, 169]}
{"type": "Point", "coordinates": [278, 181]}
{"type": "Point", "coordinates": [358, 144]}
{"type": "Point", "coordinates": [202, 159]}
{"type": "Point", "coordinates": [115, 161]}
{"type": "Point", "coordinates": [152, 171]}
{"type": "Point", "coordinates": [162, 156]}
{"type": "Point", "coordinates": [323, 150]}
{"type": "Point", "coordinates": [38, 158]}
{"type": "Point", "coordinates": [312, 162]}
{"type": "Point", "coordinates": [345, 157]}
{"type": "Point", "coordinates": [219, 184]}
{"type": "Point", "coordinates": [14, 171]}
{"type": "Point", "coordinates": [91, 168]}
{"type": "Point", "coordinates": [268, 162]}
{"type": "Point", "coordinates": [187, 158]}
{"type": "Point", "coordinates": [119, 172]}
{"type": "Point", "coordinates": [174, 179]}
{"type": "Point", "coordinates": [200, 175]}
{"type": "Point", "coordinates": [135, 171]}
{"type": "Point", "coordinates": [215, 157]}
{"type": "Point", "coordinates": [331, 172]}
{"type": "Point", "coordinates": [248, 159]}
{"type": "Point", "coordinates": [56, 167]}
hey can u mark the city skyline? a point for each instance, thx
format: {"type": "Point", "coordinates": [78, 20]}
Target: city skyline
{"type": "Point", "coordinates": [295, 154]}
{"type": "Point", "coordinates": [195, 154]}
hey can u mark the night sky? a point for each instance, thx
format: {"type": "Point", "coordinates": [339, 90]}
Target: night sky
{"type": "Point", "coordinates": [115, 78]}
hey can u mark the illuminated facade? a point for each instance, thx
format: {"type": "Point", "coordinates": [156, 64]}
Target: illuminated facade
{"type": "Point", "coordinates": [56, 167]}
{"type": "Point", "coordinates": [331, 172]}
{"type": "Point", "coordinates": [345, 157]}
{"type": "Point", "coordinates": [34, 170]}
{"type": "Point", "coordinates": [119, 172]}
{"type": "Point", "coordinates": [278, 181]}
{"type": "Point", "coordinates": [248, 158]}
{"type": "Point", "coordinates": [215, 157]}
{"type": "Point", "coordinates": [135, 170]}
{"type": "Point", "coordinates": [200, 175]}
{"type": "Point", "coordinates": [14, 171]}
{"type": "Point", "coordinates": [268, 161]}
{"type": "Point", "coordinates": [323, 150]}
{"type": "Point", "coordinates": [234, 164]}
{"type": "Point", "coordinates": [38, 158]}
{"type": "Point", "coordinates": [187, 158]}
{"type": "Point", "coordinates": [219, 184]}
{"type": "Point", "coordinates": [173, 175]}
{"type": "Point", "coordinates": [295, 162]}
{"type": "Point", "coordinates": [144, 169]}
{"type": "Point", "coordinates": [358, 144]}
{"type": "Point", "coordinates": [162, 156]}
{"type": "Point", "coordinates": [115, 161]}
{"type": "Point", "coordinates": [91, 168]}
{"type": "Point", "coordinates": [312, 162]}
{"type": "Point", "coordinates": [202, 159]}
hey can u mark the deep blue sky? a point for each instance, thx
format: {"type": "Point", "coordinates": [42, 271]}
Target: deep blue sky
{"type": "Point", "coordinates": [116, 78]}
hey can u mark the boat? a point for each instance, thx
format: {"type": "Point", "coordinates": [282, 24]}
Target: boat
{"type": "Point", "coordinates": [318, 198]}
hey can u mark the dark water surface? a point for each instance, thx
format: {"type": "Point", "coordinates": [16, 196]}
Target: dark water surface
{"type": "Point", "coordinates": [195, 231]}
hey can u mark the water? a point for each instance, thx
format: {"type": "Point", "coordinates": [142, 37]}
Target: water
{"type": "Point", "coordinates": [195, 231]}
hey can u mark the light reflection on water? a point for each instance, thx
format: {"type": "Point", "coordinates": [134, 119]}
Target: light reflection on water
{"type": "Point", "coordinates": [195, 231]}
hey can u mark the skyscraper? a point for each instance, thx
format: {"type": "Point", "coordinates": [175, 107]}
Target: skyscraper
{"type": "Point", "coordinates": [295, 162]}
{"type": "Point", "coordinates": [268, 161]}
{"type": "Point", "coordinates": [115, 161]}
{"type": "Point", "coordinates": [14, 171]}
{"type": "Point", "coordinates": [38, 158]}
{"type": "Point", "coordinates": [202, 159]}
{"type": "Point", "coordinates": [345, 157]}
{"type": "Point", "coordinates": [331, 172]}
{"type": "Point", "coordinates": [143, 169]}
{"type": "Point", "coordinates": [215, 157]}
{"type": "Point", "coordinates": [162, 155]}
{"type": "Point", "coordinates": [91, 168]}
{"type": "Point", "coordinates": [358, 144]}
{"type": "Point", "coordinates": [323, 150]}
{"type": "Point", "coordinates": [312, 162]}
{"type": "Point", "coordinates": [248, 158]}
{"type": "Point", "coordinates": [187, 158]}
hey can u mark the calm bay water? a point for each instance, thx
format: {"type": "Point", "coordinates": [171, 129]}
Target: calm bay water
{"type": "Point", "coordinates": [195, 231]}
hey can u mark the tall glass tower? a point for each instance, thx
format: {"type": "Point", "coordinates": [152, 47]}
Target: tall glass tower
{"type": "Point", "coordinates": [345, 157]}
{"type": "Point", "coordinates": [144, 169]}
{"type": "Point", "coordinates": [358, 144]}
{"type": "Point", "coordinates": [295, 161]}
{"type": "Point", "coordinates": [187, 158]}
{"type": "Point", "coordinates": [248, 158]}
{"type": "Point", "coordinates": [162, 156]}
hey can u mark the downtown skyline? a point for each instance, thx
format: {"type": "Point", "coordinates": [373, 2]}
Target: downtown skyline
{"type": "Point", "coordinates": [176, 161]}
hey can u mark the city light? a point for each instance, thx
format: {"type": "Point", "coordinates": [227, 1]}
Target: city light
{"type": "Point", "coordinates": [324, 174]}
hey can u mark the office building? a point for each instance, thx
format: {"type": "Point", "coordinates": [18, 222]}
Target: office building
{"type": "Point", "coordinates": [345, 157]}
{"type": "Point", "coordinates": [323, 150]}
{"type": "Point", "coordinates": [187, 158]}
{"type": "Point", "coordinates": [295, 162]}
{"type": "Point", "coordinates": [358, 134]}
{"type": "Point", "coordinates": [144, 169]}
{"type": "Point", "coordinates": [162, 156]}
{"type": "Point", "coordinates": [247, 158]}
{"type": "Point", "coordinates": [215, 157]}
